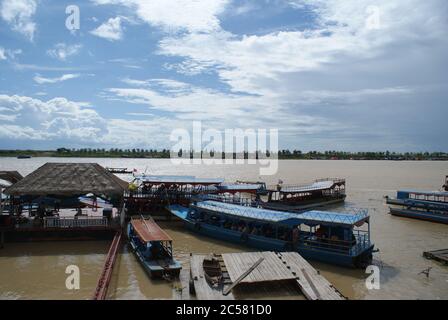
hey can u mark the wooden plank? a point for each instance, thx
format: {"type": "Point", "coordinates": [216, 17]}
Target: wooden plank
{"type": "Point", "coordinates": [313, 285]}
{"type": "Point", "coordinates": [244, 275]}
{"type": "Point", "coordinates": [272, 269]}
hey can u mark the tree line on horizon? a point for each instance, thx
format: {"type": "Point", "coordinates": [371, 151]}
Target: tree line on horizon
{"type": "Point", "coordinates": [282, 154]}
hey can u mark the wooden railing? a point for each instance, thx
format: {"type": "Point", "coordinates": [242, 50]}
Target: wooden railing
{"type": "Point", "coordinates": [76, 222]}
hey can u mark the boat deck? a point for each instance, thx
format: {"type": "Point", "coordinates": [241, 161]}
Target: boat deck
{"type": "Point", "coordinates": [438, 255]}
{"type": "Point", "coordinates": [277, 268]}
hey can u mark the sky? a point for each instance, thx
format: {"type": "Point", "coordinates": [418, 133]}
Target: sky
{"type": "Point", "coordinates": [352, 75]}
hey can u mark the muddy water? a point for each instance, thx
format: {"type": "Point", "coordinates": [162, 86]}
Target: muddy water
{"type": "Point", "coordinates": [37, 270]}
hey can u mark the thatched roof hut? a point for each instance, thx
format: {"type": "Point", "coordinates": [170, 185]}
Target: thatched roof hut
{"type": "Point", "coordinates": [10, 177]}
{"type": "Point", "coordinates": [69, 179]}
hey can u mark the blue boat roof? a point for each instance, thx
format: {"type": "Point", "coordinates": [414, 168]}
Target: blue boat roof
{"type": "Point", "coordinates": [426, 192]}
{"type": "Point", "coordinates": [310, 217]}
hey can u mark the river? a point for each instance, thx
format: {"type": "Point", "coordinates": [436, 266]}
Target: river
{"type": "Point", "coordinates": [37, 270]}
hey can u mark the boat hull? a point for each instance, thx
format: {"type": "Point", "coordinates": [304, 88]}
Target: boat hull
{"type": "Point", "coordinates": [269, 244]}
{"type": "Point", "coordinates": [414, 214]}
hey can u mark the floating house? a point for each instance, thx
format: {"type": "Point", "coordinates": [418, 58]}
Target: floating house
{"type": "Point", "coordinates": [7, 178]}
{"type": "Point", "coordinates": [423, 205]}
{"type": "Point", "coordinates": [46, 203]}
{"type": "Point", "coordinates": [335, 238]}
{"type": "Point", "coordinates": [153, 192]}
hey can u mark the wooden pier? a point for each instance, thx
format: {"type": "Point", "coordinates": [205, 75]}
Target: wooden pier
{"type": "Point", "coordinates": [438, 255]}
{"type": "Point", "coordinates": [285, 268]}
{"type": "Point", "coordinates": [106, 274]}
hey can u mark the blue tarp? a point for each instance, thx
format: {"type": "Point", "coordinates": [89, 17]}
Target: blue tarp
{"type": "Point", "coordinates": [309, 217]}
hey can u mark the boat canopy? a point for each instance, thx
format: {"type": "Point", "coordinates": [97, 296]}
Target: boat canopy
{"type": "Point", "coordinates": [318, 185]}
{"type": "Point", "coordinates": [165, 179]}
{"type": "Point", "coordinates": [239, 187]}
{"type": "Point", "coordinates": [422, 192]}
{"type": "Point", "coordinates": [310, 217]}
{"type": "Point", "coordinates": [148, 230]}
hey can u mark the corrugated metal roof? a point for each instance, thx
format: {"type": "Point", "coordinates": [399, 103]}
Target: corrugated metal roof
{"type": "Point", "coordinates": [319, 185]}
{"type": "Point", "coordinates": [285, 217]}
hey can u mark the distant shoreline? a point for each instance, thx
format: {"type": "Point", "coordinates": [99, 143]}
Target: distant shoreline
{"type": "Point", "coordinates": [282, 155]}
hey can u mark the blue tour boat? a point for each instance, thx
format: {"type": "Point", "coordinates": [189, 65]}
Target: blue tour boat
{"type": "Point", "coordinates": [330, 237]}
{"type": "Point", "coordinates": [423, 205]}
{"type": "Point", "coordinates": [153, 248]}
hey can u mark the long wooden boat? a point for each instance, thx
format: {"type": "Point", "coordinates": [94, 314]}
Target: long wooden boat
{"type": "Point", "coordinates": [153, 248]}
{"type": "Point", "coordinates": [423, 205]}
{"type": "Point", "coordinates": [330, 237]}
{"type": "Point", "coordinates": [292, 198]}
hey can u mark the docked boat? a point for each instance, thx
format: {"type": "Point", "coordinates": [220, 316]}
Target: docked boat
{"type": "Point", "coordinates": [330, 237]}
{"type": "Point", "coordinates": [212, 271]}
{"type": "Point", "coordinates": [319, 193]}
{"type": "Point", "coordinates": [153, 248]}
{"type": "Point", "coordinates": [423, 205]}
{"type": "Point", "coordinates": [23, 156]}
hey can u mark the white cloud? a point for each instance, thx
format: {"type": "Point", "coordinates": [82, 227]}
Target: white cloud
{"type": "Point", "coordinates": [58, 118]}
{"type": "Point", "coordinates": [19, 15]}
{"type": "Point", "coordinates": [42, 80]}
{"type": "Point", "coordinates": [62, 51]}
{"type": "Point", "coordinates": [11, 54]}
{"type": "Point", "coordinates": [252, 63]}
{"type": "Point", "coordinates": [176, 15]}
{"type": "Point", "coordinates": [60, 121]}
{"type": "Point", "coordinates": [110, 30]}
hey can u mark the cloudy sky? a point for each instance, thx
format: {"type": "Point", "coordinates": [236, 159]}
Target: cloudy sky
{"type": "Point", "coordinates": [347, 75]}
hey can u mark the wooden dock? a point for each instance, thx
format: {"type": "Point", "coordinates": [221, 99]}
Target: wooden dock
{"type": "Point", "coordinates": [438, 255]}
{"type": "Point", "coordinates": [276, 268]}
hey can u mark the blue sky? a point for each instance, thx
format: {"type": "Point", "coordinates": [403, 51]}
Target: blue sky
{"type": "Point", "coordinates": [342, 75]}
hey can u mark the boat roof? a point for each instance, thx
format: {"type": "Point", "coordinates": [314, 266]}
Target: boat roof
{"type": "Point", "coordinates": [239, 186]}
{"type": "Point", "coordinates": [148, 230]}
{"type": "Point", "coordinates": [426, 193]}
{"type": "Point", "coordinates": [169, 179]}
{"type": "Point", "coordinates": [308, 217]}
{"type": "Point", "coordinates": [318, 185]}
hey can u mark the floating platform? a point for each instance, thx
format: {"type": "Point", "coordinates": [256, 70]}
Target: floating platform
{"type": "Point", "coordinates": [287, 268]}
{"type": "Point", "coordinates": [438, 255]}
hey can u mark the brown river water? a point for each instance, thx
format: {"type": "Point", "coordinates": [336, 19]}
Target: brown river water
{"type": "Point", "coordinates": [37, 270]}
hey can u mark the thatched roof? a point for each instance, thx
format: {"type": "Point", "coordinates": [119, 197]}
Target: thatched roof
{"type": "Point", "coordinates": [69, 179]}
{"type": "Point", "coordinates": [10, 176]}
